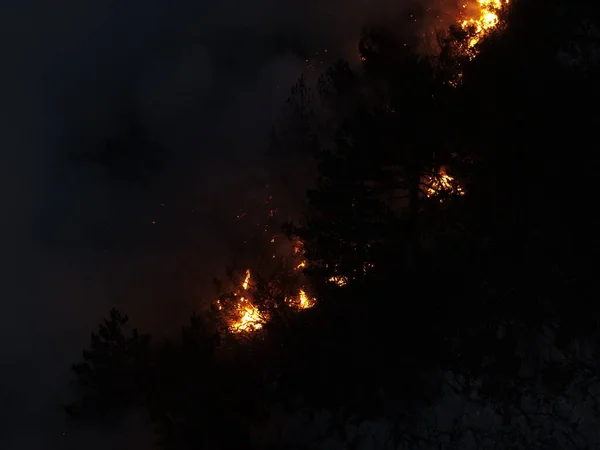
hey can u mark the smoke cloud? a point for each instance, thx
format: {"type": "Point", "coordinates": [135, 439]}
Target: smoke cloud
{"type": "Point", "coordinates": [204, 82]}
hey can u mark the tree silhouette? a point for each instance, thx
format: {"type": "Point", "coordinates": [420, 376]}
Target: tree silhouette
{"type": "Point", "coordinates": [345, 222]}
{"type": "Point", "coordinates": [113, 373]}
{"type": "Point", "coordinates": [190, 401]}
{"type": "Point", "coordinates": [384, 157]}
{"type": "Point", "coordinates": [294, 142]}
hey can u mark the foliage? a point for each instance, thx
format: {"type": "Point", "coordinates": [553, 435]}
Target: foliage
{"type": "Point", "coordinates": [113, 369]}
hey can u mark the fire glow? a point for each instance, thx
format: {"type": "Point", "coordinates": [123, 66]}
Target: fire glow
{"type": "Point", "coordinates": [248, 318]}
{"type": "Point", "coordinates": [482, 18]}
{"type": "Point", "coordinates": [442, 183]}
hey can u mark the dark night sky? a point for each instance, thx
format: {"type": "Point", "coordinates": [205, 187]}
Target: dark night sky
{"type": "Point", "coordinates": [203, 79]}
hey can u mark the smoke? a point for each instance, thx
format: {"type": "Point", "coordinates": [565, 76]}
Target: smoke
{"type": "Point", "coordinates": [203, 81]}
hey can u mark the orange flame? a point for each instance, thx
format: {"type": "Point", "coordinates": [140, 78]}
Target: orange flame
{"type": "Point", "coordinates": [483, 18]}
{"type": "Point", "coordinates": [442, 182]}
{"type": "Point", "coordinates": [305, 301]}
{"type": "Point", "coordinates": [246, 280]}
{"type": "Point", "coordinates": [249, 317]}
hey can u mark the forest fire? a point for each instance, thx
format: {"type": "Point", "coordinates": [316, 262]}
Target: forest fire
{"type": "Point", "coordinates": [246, 316]}
{"type": "Point", "coordinates": [250, 317]}
{"type": "Point", "coordinates": [304, 300]}
{"type": "Point", "coordinates": [442, 183]}
{"type": "Point", "coordinates": [481, 18]}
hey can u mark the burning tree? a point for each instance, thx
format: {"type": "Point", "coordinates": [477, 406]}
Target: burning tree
{"type": "Point", "coordinates": [382, 164]}
{"type": "Point", "coordinates": [479, 19]}
{"type": "Point", "coordinates": [270, 285]}
{"type": "Point", "coordinates": [249, 302]}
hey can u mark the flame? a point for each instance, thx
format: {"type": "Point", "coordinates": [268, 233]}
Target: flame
{"type": "Point", "coordinates": [484, 18]}
{"type": "Point", "coordinates": [250, 317]}
{"type": "Point", "coordinates": [440, 183]}
{"type": "Point", "coordinates": [246, 280]}
{"type": "Point", "coordinates": [304, 301]}
{"type": "Point", "coordinates": [301, 301]}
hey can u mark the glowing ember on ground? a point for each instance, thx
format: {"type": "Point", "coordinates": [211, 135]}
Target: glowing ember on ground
{"type": "Point", "coordinates": [482, 17]}
{"type": "Point", "coordinates": [367, 266]}
{"type": "Point", "coordinates": [340, 281]}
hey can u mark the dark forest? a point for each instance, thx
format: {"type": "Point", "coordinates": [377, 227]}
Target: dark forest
{"type": "Point", "coordinates": [436, 288]}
